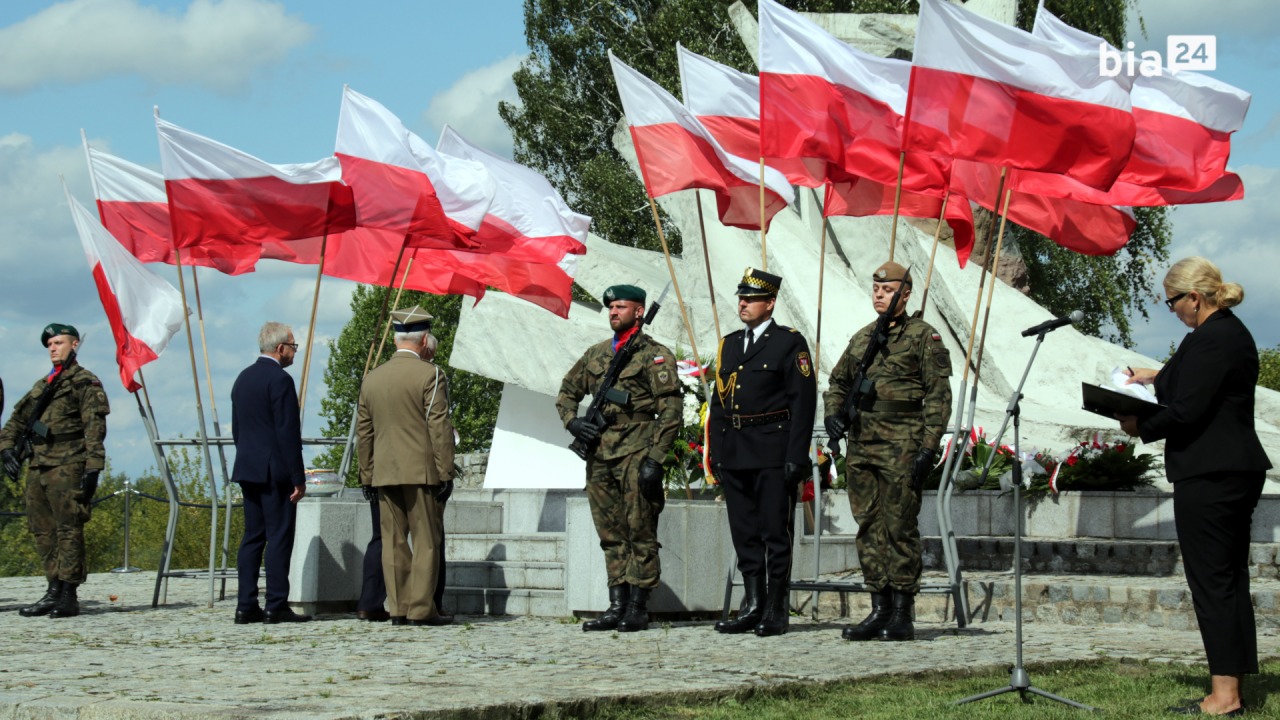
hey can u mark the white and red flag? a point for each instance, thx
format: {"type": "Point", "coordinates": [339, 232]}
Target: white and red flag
{"type": "Point", "coordinates": [824, 100]}
{"type": "Point", "coordinates": [134, 208]}
{"type": "Point", "coordinates": [984, 91]}
{"type": "Point", "coordinates": [676, 152]}
{"type": "Point", "coordinates": [1183, 128]}
{"type": "Point", "coordinates": [144, 310]}
{"type": "Point", "coordinates": [402, 184]}
{"type": "Point", "coordinates": [218, 194]}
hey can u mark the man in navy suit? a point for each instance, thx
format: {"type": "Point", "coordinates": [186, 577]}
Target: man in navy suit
{"type": "Point", "coordinates": [267, 429]}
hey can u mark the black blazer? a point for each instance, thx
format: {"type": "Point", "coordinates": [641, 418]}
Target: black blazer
{"type": "Point", "coordinates": [776, 375]}
{"type": "Point", "coordinates": [1208, 387]}
{"type": "Point", "coordinates": [266, 426]}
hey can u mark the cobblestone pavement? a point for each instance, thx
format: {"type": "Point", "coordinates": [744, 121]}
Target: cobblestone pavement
{"type": "Point", "coordinates": [121, 659]}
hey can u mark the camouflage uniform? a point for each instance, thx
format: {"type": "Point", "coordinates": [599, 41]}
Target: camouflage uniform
{"type": "Point", "coordinates": [56, 512]}
{"type": "Point", "coordinates": [915, 370]}
{"type": "Point", "coordinates": [627, 522]}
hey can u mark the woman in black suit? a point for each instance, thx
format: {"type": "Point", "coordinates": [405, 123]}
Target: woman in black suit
{"type": "Point", "coordinates": [1216, 465]}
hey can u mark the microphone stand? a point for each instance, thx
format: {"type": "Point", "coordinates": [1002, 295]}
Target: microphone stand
{"type": "Point", "coordinates": [1019, 680]}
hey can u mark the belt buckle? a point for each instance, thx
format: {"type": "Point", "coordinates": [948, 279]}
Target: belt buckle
{"type": "Point", "coordinates": [737, 422]}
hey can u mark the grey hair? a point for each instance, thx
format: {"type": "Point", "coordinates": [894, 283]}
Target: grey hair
{"type": "Point", "coordinates": [272, 335]}
{"type": "Point", "coordinates": [410, 338]}
{"type": "Point", "coordinates": [432, 344]}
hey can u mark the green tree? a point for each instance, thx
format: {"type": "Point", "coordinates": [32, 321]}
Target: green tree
{"type": "Point", "coordinates": [473, 399]}
{"type": "Point", "coordinates": [1269, 368]}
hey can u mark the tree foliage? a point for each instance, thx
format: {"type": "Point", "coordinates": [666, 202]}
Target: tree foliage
{"type": "Point", "coordinates": [1269, 368]}
{"type": "Point", "coordinates": [473, 399]}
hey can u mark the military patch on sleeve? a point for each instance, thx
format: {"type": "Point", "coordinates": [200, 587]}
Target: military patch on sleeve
{"type": "Point", "coordinates": [664, 376]}
{"type": "Point", "coordinates": [936, 337]}
{"type": "Point", "coordinates": [803, 364]}
{"type": "Point", "coordinates": [658, 359]}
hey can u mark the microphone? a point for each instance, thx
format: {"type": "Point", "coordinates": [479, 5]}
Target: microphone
{"type": "Point", "coordinates": [1050, 325]}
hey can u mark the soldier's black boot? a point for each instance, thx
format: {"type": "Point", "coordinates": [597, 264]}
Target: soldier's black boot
{"type": "Point", "coordinates": [68, 604]}
{"type": "Point", "coordinates": [899, 626]}
{"type": "Point", "coordinates": [46, 603]}
{"type": "Point", "coordinates": [870, 627]}
{"type": "Point", "coordinates": [609, 619]}
{"type": "Point", "coordinates": [775, 617]}
{"type": "Point", "coordinates": [750, 611]}
{"type": "Point", "coordinates": [637, 615]}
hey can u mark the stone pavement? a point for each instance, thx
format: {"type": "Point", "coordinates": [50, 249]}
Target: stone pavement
{"type": "Point", "coordinates": [121, 659]}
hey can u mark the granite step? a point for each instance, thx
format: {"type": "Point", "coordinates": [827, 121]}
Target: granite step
{"type": "Point", "coordinates": [501, 574]}
{"type": "Point", "coordinates": [472, 517]}
{"type": "Point", "coordinates": [513, 547]}
{"type": "Point", "coordinates": [464, 600]}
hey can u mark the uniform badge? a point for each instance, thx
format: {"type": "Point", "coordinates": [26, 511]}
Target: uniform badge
{"type": "Point", "coordinates": [663, 376]}
{"type": "Point", "coordinates": [658, 359]}
{"type": "Point", "coordinates": [803, 364]}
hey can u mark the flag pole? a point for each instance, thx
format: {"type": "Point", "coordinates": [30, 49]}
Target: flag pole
{"type": "Point", "coordinates": [399, 291]}
{"type": "Point", "coordinates": [764, 255]}
{"type": "Point", "coordinates": [195, 380]}
{"type": "Point", "coordinates": [311, 330]}
{"type": "Point", "coordinates": [706, 260]}
{"type": "Point", "coordinates": [933, 254]}
{"type": "Point", "coordinates": [897, 203]}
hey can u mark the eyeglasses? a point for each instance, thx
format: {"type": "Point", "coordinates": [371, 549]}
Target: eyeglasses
{"type": "Point", "coordinates": [290, 345]}
{"type": "Point", "coordinates": [1174, 300]}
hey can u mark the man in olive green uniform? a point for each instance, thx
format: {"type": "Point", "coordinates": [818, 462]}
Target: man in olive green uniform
{"type": "Point", "coordinates": [405, 442]}
{"type": "Point", "coordinates": [624, 472]}
{"type": "Point", "coordinates": [892, 448]}
{"type": "Point", "coordinates": [63, 476]}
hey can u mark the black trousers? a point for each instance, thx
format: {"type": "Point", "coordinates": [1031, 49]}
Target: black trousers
{"type": "Point", "coordinates": [761, 506]}
{"type": "Point", "coordinates": [269, 521]}
{"type": "Point", "coordinates": [373, 585]}
{"type": "Point", "coordinates": [1213, 514]}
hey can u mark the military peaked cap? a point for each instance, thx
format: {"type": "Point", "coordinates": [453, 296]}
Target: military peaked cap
{"type": "Point", "coordinates": [623, 292]}
{"type": "Point", "coordinates": [891, 272]}
{"type": "Point", "coordinates": [53, 330]}
{"type": "Point", "coordinates": [410, 320]}
{"type": "Point", "coordinates": [758, 283]}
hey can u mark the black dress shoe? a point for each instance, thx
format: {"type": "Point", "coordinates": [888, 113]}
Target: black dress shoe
{"type": "Point", "coordinates": [436, 621]}
{"type": "Point", "coordinates": [245, 617]}
{"type": "Point", "coordinates": [287, 615]}
{"type": "Point", "coordinates": [373, 615]}
{"type": "Point", "coordinates": [399, 620]}
{"type": "Point", "coordinates": [1193, 708]}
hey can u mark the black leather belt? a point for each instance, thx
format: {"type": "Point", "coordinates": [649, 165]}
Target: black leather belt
{"type": "Point", "coordinates": [740, 421]}
{"type": "Point", "coordinates": [897, 406]}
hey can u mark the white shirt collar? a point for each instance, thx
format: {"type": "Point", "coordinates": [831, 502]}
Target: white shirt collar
{"type": "Point", "coordinates": [757, 332]}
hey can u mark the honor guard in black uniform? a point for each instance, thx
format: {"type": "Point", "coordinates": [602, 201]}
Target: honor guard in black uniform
{"type": "Point", "coordinates": [761, 427]}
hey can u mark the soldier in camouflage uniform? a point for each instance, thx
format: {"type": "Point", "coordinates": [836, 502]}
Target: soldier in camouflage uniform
{"type": "Point", "coordinates": [892, 449]}
{"type": "Point", "coordinates": [63, 475]}
{"type": "Point", "coordinates": [624, 474]}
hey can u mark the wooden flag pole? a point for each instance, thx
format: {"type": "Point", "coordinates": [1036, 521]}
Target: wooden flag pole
{"type": "Point", "coordinates": [706, 261]}
{"type": "Point", "coordinates": [764, 255]}
{"type": "Point", "coordinates": [933, 254]}
{"type": "Point", "coordinates": [399, 291]}
{"type": "Point", "coordinates": [995, 265]}
{"type": "Point", "coordinates": [311, 331]}
{"type": "Point", "coordinates": [382, 314]}
{"type": "Point", "coordinates": [897, 202]}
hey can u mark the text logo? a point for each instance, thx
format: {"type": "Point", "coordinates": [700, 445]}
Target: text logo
{"type": "Point", "coordinates": [1185, 52]}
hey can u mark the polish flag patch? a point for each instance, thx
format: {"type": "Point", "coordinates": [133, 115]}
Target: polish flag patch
{"type": "Point", "coordinates": [658, 360]}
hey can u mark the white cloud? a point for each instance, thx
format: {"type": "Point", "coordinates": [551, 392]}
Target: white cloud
{"type": "Point", "coordinates": [218, 44]}
{"type": "Point", "coordinates": [470, 106]}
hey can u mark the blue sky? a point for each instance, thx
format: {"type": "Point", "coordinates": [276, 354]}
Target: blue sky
{"type": "Point", "coordinates": [266, 77]}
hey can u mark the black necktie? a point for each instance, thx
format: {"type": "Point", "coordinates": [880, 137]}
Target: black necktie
{"type": "Point", "coordinates": [751, 339]}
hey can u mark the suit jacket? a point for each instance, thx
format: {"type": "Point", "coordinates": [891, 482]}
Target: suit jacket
{"type": "Point", "coordinates": [403, 432]}
{"type": "Point", "coordinates": [266, 426]}
{"type": "Point", "coordinates": [1208, 387]}
{"type": "Point", "coordinates": [777, 374]}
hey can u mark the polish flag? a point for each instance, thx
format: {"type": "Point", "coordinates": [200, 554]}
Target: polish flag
{"type": "Point", "coordinates": [143, 310]}
{"type": "Point", "coordinates": [366, 255]}
{"type": "Point", "coordinates": [1184, 120]}
{"type": "Point", "coordinates": [1080, 226]}
{"type": "Point", "coordinates": [676, 152]}
{"type": "Point", "coordinates": [402, 184]}
{"type": "Point", "coordinates": [223, 195]}
{"type": "Point", "coordinates": [134, 208]}
{"type": "Point", "coordinates": [862, 197]}
{"type": "Point", "coordinates": [826, 101]}
{"type": "Point", "coordinates": [727, 103]}
{"type": "Point", "coordinates": [992, 93]}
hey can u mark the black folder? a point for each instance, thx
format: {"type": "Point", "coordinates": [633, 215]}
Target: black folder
{"type": "Point", "coordinates": [1109, 403]}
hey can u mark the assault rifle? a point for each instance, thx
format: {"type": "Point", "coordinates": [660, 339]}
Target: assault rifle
{"type": "Point", "coordinates": [606, 392]}
{"type": "Point", "coordinates": [861, 387]}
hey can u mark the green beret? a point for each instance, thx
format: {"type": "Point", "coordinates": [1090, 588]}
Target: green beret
{"type": "Point", "coordinates": [53, 330]}
{"type": "Point", "coordinates": [623, 292]}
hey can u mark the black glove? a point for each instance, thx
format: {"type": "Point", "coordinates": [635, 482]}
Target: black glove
{"type": "Point", "coordinates": [12, 467]}
{"type": "Point", "coordinates": [836, 427]}
{"type": "Point", "coordinates": [921, 467]}
{"type": "Point", "coordinates": [88, 485]}
{"type": "Point", "coordinates": [370, 493]}
{"type": "Point", "coordinates": [650, 481]}
{"type": "Point", "coordinates": [797, 472]}
{"type": "Point", "coordinates": [584, 431]}
{"type": "Point", "coordinates": [443, 491]}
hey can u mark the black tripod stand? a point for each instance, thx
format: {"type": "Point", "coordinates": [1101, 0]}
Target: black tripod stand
{"type": "Point", "coordinates": [1019, 680]}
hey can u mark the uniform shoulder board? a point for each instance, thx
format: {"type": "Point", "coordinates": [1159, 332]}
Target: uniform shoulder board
{"type": "Point", "coordinates": [791, 329]}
